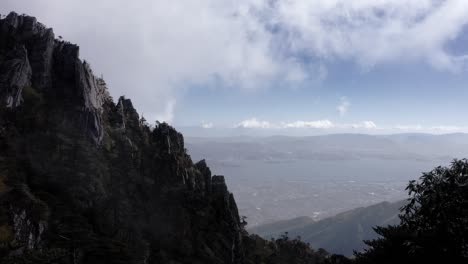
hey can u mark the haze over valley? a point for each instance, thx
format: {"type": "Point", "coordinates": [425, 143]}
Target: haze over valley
{"type": "Point", "coordinates": [279, 177]}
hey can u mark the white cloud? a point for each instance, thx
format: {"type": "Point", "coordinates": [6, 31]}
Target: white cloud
{"type": "Point", "coordinates": [253, 123]}
{"type": "Point", "coordinates": [432, 129]}
{"type": "Point", "coordinates": [167, 114]}
{"type": "Point", "coordinates": [151, 50]}
{"type": "Point", "coordinates": [372, 32]}
{"type": "Point", "coordinates": [408, 127]}
{"type": "Point", "coordinates": [448, 128]}
{"type": "Point", "coordinates": [365, 124]}
{"type": "Point", "coordinates": [316, 124]}
{"type": "Point", "coordinates": [309, 124]}
{"type": "Point", "coordinates": [207, 124]}
{"type": "Point", "coordinates": [343, 106]}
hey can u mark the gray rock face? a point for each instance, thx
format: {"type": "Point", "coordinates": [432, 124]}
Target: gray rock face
{"type": "Point", "coordinates": [94, 93]}
{"type": "Point", "coordinates": [38, 40]}
{"type": "Point", "coordinates": [85, 177]}
{"type": "Point", "coordinates": [17, 75]}
{"type": "Point", "coordinates": [31, 58]}
{"type": "Point", "coordinates": [205, 175]}
{"type": "Point", "coordinates": [218, 185]}
{"type": "Point", "coordinates": [28, 220]}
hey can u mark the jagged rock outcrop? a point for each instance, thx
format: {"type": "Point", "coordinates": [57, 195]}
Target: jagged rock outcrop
{"type": "Point", "coordinates": [32, 58]}
{"type": "Point", "coordinates": [85, 180]}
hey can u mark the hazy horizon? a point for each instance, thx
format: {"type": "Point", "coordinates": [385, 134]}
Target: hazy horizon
{"type": "Point", "coordinates": [227, 132]}
{"type": "Point", "coordinates": [282, 177]}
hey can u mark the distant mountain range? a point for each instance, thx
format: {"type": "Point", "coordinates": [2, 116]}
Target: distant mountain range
{"type": "Point", "coordinates": [410, 146]}
{"type": "Point", "coordinates": [282, 177]}
{"type": "Point", "coordinates": [340, 234]}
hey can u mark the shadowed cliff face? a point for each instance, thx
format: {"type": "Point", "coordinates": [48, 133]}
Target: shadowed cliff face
{"type": "Point", "coordinates": [85, 180]}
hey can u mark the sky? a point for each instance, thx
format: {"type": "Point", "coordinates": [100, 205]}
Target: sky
{"type": "Point", "coordinates": [278, 67]}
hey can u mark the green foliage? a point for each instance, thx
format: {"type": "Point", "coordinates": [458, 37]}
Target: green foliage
{"type": "Point", "coordinates": [285, 250]}
{"type": "Point", "coordinates": [434, 222]}
{"type": "Point", "coordinates": [341, 233]}
{"type": "Point", "coordinates": [243, 221]}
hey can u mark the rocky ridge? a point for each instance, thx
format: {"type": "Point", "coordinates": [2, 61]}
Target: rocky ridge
{"type": "Point", "coordinates": [84, 179]}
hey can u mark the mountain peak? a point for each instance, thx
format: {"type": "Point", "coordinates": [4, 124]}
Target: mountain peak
{"type": "Point", "coordinates": [82, 172]}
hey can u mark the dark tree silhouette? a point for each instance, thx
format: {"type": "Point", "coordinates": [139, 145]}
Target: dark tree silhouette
{"type": "Point", "coordinates": [434, 222]}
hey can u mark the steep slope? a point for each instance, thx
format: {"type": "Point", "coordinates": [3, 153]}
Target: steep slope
{"type": "Point", "coordinates": [340, 234]}
{"type": "Point", "coordinates": [85, 180]}
{"type": "Point", "coordinates": [278, 228]}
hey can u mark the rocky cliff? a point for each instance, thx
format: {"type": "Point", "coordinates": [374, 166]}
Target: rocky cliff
{"type": "Point", "coordinates": [85, 180]}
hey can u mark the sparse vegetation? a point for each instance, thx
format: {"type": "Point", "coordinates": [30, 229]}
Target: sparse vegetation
{"type": "Point", "coordinates": [434, 222]}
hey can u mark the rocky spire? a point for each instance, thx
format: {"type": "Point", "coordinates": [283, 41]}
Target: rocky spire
{"type": "Point", "coordinates": [34, 59]}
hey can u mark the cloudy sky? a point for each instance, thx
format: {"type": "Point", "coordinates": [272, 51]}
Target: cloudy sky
{"type": "Point", "coordinates": [276, 65]}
